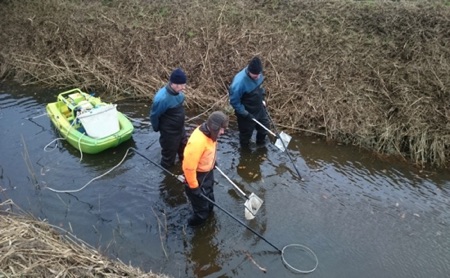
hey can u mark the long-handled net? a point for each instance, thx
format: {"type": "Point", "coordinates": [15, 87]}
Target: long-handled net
{"type": "Point", "coordinates": [253, 203]}
{"type": "Point", "coordinates": [283, 139]}
{"type": "Point", "coordinates": [289, 254]}
{"type": "Point", "coordinates": [301, 254]}
{"type": "Point", "coordinates": [292, 255]}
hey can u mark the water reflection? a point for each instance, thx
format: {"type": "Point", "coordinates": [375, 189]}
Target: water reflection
{"type": "Point", "coordinates": [250, 160]}
{"type": "Point", "coordinates": [172, 191]}
{"type": "Point", "coordinates": [350, 197]}
{"type": "Point", "coordinates": [204, 253]}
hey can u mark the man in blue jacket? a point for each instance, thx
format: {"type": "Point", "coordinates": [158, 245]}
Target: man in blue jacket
{"type": "Point", "coordinates": [247, 99]}
{"type": "Point", "coordinates": [167, 116]}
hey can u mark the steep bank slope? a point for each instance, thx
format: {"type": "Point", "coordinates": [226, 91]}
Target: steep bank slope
{"type": "Point", "coordinates": [370, 73]}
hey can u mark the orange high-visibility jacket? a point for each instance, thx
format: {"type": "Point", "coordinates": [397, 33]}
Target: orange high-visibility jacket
{"type": "Point", "coordinates": [199, 156]}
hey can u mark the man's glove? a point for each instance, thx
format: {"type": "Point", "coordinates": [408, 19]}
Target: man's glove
{"type": "Point", "coordinates": [196, 191]}
{"type": "Point", "coordinates": [250, 116]}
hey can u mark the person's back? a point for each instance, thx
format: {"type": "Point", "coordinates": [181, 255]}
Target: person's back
{"type": "Point", "coordinates": [168, 113]}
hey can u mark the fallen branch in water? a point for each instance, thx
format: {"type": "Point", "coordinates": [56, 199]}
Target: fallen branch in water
{"type": "Point", "coordinates": [255, 263]}
{"type": "Point", "coordinates": [162, 236]}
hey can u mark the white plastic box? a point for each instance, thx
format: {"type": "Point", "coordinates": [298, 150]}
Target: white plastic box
{"type": "Point", "coordinates": [100, 122]}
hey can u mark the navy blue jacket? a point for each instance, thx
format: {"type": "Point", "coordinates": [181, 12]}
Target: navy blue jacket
{"type": "Point", "coordinates": [246, 94]}
{"type": "Point", "coordinates": [167, 113]}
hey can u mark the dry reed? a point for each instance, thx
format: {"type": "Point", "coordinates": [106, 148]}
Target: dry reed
{"type": "Point", "coordinates": [33, 248]}
{"type": "Point", "coordinates": [369, 73]}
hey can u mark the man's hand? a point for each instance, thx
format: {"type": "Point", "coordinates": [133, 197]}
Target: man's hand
{"type": "Point", "coordinates": [196, 191]}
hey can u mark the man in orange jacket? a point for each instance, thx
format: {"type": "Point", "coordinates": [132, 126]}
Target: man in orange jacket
{"type": "Point", "coordinates": [198, 164]}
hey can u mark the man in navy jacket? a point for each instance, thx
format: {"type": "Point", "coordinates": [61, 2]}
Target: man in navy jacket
{"type": "Point", "coordinates": [247, 99]}
{"type": "Point", "coordinates": [167, 116]}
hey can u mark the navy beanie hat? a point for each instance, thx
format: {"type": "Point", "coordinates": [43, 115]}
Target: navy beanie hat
{"type": "Point", "coordinates": [255, 65]}
{"type": "Point", "coordinates": [178, 77]}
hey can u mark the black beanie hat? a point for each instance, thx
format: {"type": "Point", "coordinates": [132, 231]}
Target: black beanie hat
{"type": "Point", "coordinates": [178, 77]}
{"type": "Point", "coordinates": [216, 121]}
{"type": "Point", "coordinates": [255, 65]}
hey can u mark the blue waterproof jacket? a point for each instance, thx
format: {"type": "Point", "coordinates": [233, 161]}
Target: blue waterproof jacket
{"type": "Point", "coordinates": [167, 111]}
{"type": "Point", "coordinates": [246, 94]}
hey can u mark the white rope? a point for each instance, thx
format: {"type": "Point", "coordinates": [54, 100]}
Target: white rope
{"type": "Point", "coordinates": [81, 158]}
{"type": "Point", "coordinates": [89, 182]}
{"type": "Point", "coordinates": [55, 140]}
{"type": "Point", "coordinates": [67, 134]}
{"type": "Point", "coordinates": [79, 146]}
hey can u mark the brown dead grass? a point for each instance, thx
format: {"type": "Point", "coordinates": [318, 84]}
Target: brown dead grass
{"type": "Point", "coordinates": [370, 73]}
{"type": "Point", "coordinates": [33, 248]}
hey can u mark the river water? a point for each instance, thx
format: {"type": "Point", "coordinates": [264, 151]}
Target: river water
{"type": "Point", "coordinates": [361, 215]}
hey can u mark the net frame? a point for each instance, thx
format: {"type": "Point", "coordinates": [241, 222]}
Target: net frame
{"type": "Point", "coordinates": [296, 269]}
{"type": "Point", "coordinates": [252, 206]}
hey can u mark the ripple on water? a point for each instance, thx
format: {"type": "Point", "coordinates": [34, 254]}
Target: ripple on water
{"type": "Point", "coordinates": [361, 216]}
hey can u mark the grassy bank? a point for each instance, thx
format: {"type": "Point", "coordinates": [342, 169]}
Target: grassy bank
{"type": "Point", "coordinates": [33, 248]}
{"type": "Point", "coordinates": [370, 73]}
